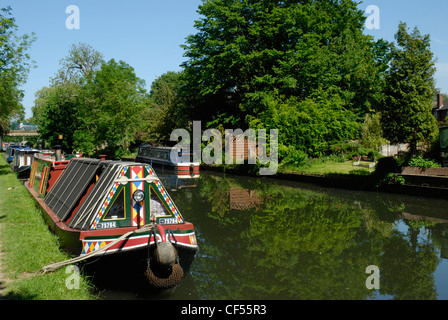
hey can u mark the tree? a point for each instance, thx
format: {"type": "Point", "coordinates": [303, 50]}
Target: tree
{"type": "Point", "coordinates": [119, 97]}
{"type": "Point", "coordinates": [92, 103]}
{"type": "Point", "coordinates": [82, 61]}
{"type": "Point", "coordinates": [265, 64]}
{"type": "Point", "coordinates": [56, 113]}
{"type": "Point", "coordinates": [372, 133]}
{"type": "Point", "coordinates": [67, 97]}
{"type": "Point", "coordinates": [245, 51]}
{"type": "Point", "coordinates": [165, 108]}
{"type": "Point", "coordinates": [14, 67]}
{"type": "Point", "coordinates": [407, 109]}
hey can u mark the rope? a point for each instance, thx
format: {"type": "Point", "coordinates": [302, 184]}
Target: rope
{"type": "Point", "coordinates": [58, 265]}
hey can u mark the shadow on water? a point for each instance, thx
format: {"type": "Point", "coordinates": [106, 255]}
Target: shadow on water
{"type": "Point", "coordinates": [122, 277]}
{"type": "Point", "coordinates": [270, 239]}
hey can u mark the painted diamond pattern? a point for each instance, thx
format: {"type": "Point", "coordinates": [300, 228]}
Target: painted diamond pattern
{"type": "Point", "coordinates": [91, 246]}
{"type": "Point", "coordinates": [168, 201]}
{"type": "Point", "coordinates": [104, 206]}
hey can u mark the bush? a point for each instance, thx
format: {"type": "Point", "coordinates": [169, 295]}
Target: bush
{"type": "Point", "coordinates": [291, 156]}
{"type": "Point", "coordinates": [423, 163]}
{"type": "Point", "coordinates": [387, 165]}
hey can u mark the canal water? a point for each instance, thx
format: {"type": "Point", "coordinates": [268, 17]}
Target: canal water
{"type": "Point", "coordinates": [268, 239]}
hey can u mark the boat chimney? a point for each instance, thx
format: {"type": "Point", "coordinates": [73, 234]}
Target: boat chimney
{"type": "Point", "coordinates": [58, 152]}
{"type": "Point", "coordinates": [439, 100]}
{"type": "Point", "coordinates": [58, 149]}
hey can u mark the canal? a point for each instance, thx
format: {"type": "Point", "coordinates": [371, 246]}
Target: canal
{"type": "Point", "coordinates": [262, 238]}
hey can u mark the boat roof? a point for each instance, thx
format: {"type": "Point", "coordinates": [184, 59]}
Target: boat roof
{"type": "Point", "coordinates": [73, 183]}
{"type": "Point", "coordinates": [164, 148]}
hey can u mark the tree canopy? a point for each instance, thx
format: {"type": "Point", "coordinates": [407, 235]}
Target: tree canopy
{"type": "Point", "coordinates": [410, 90]}
{"type": "Point", "coordinates": [250, 59]}
{"type": "Point", "coordinates": [93, 103]}
{"type": "Point", "coordinates": [14, 67]}
{"type": "Point", "coordinates": [305, 68]}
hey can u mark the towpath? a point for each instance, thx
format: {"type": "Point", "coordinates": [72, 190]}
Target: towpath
{"type": "Point", "coordinates": [2, 278]}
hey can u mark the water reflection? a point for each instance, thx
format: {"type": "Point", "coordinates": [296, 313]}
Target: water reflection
{"type": "Point", "coordinates": [266, 239]}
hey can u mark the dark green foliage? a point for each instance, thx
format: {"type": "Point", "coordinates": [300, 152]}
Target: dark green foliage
{"type": "Point", "coordinates": [14, 67]}
{"type": "Point", "coordinates": [423, 163]}
{"type": "Point", "coordinates": [99, 106]}
{"type": "Point", "coordinates": [304, 68]}
{"type": "Point", "coordinates": [407, 109]}
{"type": "Point", "coordinates": [59, 115]}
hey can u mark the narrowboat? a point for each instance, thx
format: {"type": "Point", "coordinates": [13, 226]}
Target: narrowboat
{"type": "Point", "coordinates": [101, 208]}
{"type": "Point", "coordinates": [9, 155]}
{"type": "Point", "coordinates": [161, 157]}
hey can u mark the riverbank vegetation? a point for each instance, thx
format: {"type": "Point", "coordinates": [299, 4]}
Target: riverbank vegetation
{"type": "Point", "coordinates": [27, 245]}
{"type": "Point", "coordinates": [306, 69]}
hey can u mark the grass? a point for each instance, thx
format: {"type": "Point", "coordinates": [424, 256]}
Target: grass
{"type": "Point", "coordinates": [327, 168]}
{"type": "Point", "coordinates": [27, 245]}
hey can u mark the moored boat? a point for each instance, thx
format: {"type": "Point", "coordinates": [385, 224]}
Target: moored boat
{"type": "Point", "coordinates": [22, 161]}
{"type": "Point", "coordinates": [161, 157]}
{"type": "Point", "coordinates": [108, 208]}
{"type": "Point", "coordinates": [10, 151]}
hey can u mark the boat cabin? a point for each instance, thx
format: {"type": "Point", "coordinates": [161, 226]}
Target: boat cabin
{"type": "Point", "coordinates": [161, 157]}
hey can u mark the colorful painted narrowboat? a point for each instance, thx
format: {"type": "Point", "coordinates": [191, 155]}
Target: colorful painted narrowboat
{"type": "Point", "coordinates": [161, 157]}
{"type": "Point", "coordinates": [105, 208]}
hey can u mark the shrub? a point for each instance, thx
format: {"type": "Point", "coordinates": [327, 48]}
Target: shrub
{"type": "Point", "coordinates": [423, 163]}
{"type": "Point", "coordinates": [291, 156]}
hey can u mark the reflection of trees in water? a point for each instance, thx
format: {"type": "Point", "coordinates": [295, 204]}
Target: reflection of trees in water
{"type": "Point", "coordinates": [303, 244]}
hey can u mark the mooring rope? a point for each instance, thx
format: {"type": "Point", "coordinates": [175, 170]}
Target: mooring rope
{"type": "Point", "coordinates": [58, 265]}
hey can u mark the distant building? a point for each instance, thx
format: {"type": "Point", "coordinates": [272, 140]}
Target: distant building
{"type": "Point", "coordinates": [440, 108]}
{"type": "Point", "coordinates": [23, 126]}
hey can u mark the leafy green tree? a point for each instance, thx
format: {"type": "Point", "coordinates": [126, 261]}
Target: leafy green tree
{"type": "Point", "coordinates": [119, 97]}
{"type": "Point", "coordinates": [247, 51]}
{"type": "Point", "coordinates": [407, 109]}
{"type": "Point", "coordinates": [75, 71]}
{"type": "Point", "coordinates": [78, 69]}
{"type": "Point", "coordinates": [14, 67]}
{"type": "Point", "coordinates": [372, 133]}
{"type": "Point", "coordinates": [165, 108]}
{"type": "Point", "coordinates": [81, 62]}
{"type": "Point", "coordinates": [56, 113]}
{"type": "Point", "coordinates": [311, 125]}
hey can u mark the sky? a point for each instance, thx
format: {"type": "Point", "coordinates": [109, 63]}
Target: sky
{"type": "Point", "coordinates": [147, 34]}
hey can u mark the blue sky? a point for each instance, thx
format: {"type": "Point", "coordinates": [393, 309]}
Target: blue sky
{"type": "Point", "coordinates": [147, 34]}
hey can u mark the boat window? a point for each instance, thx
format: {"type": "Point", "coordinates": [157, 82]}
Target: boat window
{"type": "Point", "coordinates": [157, 207]}
{"type": "Point", "coordinates": [117, 210]}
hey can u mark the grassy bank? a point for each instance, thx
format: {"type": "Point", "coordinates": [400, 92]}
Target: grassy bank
{"type": "Point", "coordinates": [326, 168]}
{"type": "Point", "coordinates": [27, 245]}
